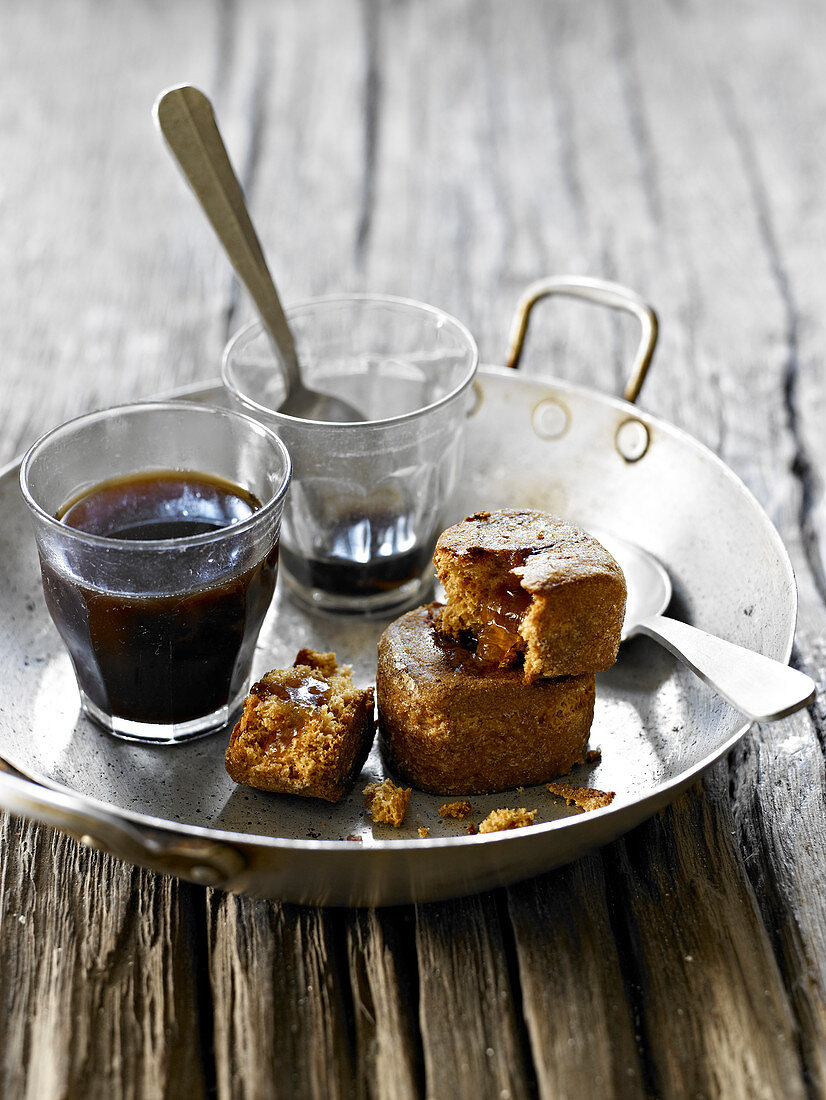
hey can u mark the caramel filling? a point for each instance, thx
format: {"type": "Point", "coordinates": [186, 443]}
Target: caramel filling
{"type": "Point", "coordinates": [301, 697]}
{"type": "Point", "coordinates": [497, 646]}
{"type": "Point", "coordinates": [499, 641]}
{"type": "Point", "coordinates": [308, 692]}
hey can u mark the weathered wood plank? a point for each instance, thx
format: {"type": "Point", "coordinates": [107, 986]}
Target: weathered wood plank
{"type": "Point", "coordinates": [98, 996]}
{"type": "Point", "coordinates": [293, 119]}
{"type": "Point", "coordinates": [779, 778]}
{"type": "Point", "coordinates": [716, 1018]}
{"type": "Point", "coordinates": [306, 67]}
{"type": "Point", "coordinates": [384, 980]}
{"type": "Point", "coordinates": [467, 1004]}
{"type": "Point", "coordinates": [109, 293]}
{"type": "Point", "coordinates": [279, 1023]}
{"type": "Point", "coordinates": [780, 826]}
{"type": "Point", "coordinates": [573, 996]}
{"type": "Point", "coordinates": [639, 210]}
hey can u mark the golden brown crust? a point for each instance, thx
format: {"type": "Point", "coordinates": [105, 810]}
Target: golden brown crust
{"type": "Point", "coordinates": [386, 802]}
{"type": "Point", "coordinates": [498, 820]}
{"type": "Point", "coordinates": [304, 730]}
{"type": "Point", "coordinates": [526, 582]}
{"type": "Point", "coordinates": [453, 726]}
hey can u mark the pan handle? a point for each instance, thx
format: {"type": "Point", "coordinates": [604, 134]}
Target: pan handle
{"type": "Point", "coordinates": [209, 863]}
{"type": "Point", "coordinates": [603, 293]}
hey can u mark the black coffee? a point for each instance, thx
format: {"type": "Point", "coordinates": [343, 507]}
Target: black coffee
{"type": "Point", "coordinates": [161, 659]}
{"type": "Point", "coordinates": [341, 573]}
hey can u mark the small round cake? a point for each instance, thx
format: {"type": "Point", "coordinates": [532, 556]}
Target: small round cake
{"type": "Point", "coordinates": [451, 724]}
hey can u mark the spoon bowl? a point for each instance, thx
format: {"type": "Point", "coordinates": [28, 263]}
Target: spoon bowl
{"type": "Point", "coordinates": [648, 583]}
{"type": "Point", "coordinates": [759, 687]}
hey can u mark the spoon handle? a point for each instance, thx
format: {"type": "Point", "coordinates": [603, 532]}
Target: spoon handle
{"type": "Point", "coordinates": [185, 118]}
{"type": "Point", "coordinates": [759, 687]}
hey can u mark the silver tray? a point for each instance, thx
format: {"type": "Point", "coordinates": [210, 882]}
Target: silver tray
{"type": "Point", "coordinates": [590, 457]}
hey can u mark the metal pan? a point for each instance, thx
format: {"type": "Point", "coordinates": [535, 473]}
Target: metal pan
{"type": "Point", "coordinates": [593, 458]}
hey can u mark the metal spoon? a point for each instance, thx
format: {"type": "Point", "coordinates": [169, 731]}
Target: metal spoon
{"type": "Point", "coordinates": [759, 687]}
{"type": "Point", "coordinates": [185, 118]}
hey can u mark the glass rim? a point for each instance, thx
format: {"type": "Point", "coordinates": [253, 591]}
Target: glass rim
{"type": "Point", "coordinates": [344, 425]}
{"type": "Point", "coordinates": [138, 545]}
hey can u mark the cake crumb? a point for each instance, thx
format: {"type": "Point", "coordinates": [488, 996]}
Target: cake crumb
{"type": "Point", "coordinates": [386, 802]}
{"type": "Point", "coordinates": [423, 831]}
{"type": "Point", "coordinates": [586, 798]}
{"type": "Point", "coordinates": [507, 819]}
{"type": "Point", "coordinates": [471, 829]}
{"type": "Point", "coordinates": [357, 839]}
{"type": "Point", "coordinates": [459, 810]}
{"type": "Point", "coordinates": [593, 756]}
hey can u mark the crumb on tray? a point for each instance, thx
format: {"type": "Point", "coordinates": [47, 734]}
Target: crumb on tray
{"type": "Point", "coordinates": [586, 798]}
{"type": "Point", "coordinates": [423, 831]}
{"type": "Point", "coordinates": [386, 802]}
{"type": "Point", "coordinates": [507, 819]}
{"type": "Point", "coordinates": [460, 810]}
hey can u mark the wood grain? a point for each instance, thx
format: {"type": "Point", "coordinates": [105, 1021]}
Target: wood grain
{"type": "Point", "coordinates": [384, 980]}
{"type": "Point", "coordinates": [778, 776]}
{"type": "Point", "coordinates": [573, 995]}
{"type": "Point", "coordinates": [717, 1021]}
{"type": "Point", "coordinates": [98, 995]}
{"type": "Point", "coordinates": [279, 1018]}
{"type": "Point", "coordinates": [468, 1005]}
{"type": "Point", "coordinates": [758, 249]}
{"type": "Point", "coordinates": [106, 299]}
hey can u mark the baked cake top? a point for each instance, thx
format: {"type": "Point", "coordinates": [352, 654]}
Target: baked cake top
{"type": "Point", "coordinates": [541, 549]}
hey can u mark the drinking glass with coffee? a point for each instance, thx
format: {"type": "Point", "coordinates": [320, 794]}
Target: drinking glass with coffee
{"type": "Point", "coordinates": [157, 527]}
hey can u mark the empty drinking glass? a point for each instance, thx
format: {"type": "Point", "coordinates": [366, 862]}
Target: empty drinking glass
{"type": "Point", "coordinates": [367, 498]}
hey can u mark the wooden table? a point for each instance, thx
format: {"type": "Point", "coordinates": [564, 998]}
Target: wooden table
{"type": "Point", "coordinates": [452, 152]}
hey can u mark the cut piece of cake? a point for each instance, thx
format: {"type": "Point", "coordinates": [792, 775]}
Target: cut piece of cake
{"type": "Point", "coordinates": [452, 724]}
{"type": "Point", "coordinates": [304, 730]}
{"type": "Point", "coordinates": [527, 586]}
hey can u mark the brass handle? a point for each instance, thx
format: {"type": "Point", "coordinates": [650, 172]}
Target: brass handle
{"type": "Point", "coordinates": [603, 293]}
